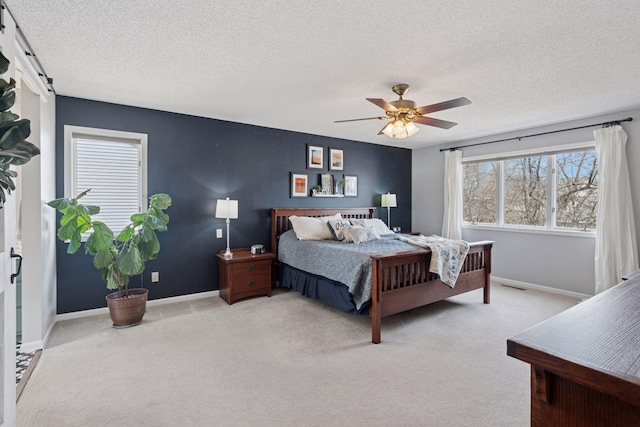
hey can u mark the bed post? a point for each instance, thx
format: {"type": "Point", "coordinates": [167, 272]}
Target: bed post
{"type": "Point", "coordinates": [487, 272]}
{"type": "Point", "coordinates": [375, 312]}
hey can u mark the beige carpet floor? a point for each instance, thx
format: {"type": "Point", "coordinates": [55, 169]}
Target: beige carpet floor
{"type": "Point", "coordinates": [290, 361]}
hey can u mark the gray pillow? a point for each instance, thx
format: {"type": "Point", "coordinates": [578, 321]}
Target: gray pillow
{"type": "Point", "coordinates": [358, 234]}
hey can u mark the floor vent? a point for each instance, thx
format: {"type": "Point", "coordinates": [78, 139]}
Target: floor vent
{"type": "Point", "coordinates": [513, 287]}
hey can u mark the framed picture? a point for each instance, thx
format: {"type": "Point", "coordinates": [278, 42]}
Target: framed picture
{"type": "Point", "coordinates": [315, 157]}
{"type": "Point", "coordinates": [336, 159]}
{"type": "Point", "coordinates": [299, 184]}
{"type": "Point", "coordinates": [351, 186]}
{"type": "Point", "coordinates": [326, 181]}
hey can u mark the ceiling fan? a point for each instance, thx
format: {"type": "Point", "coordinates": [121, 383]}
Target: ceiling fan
{"type": "Point", "coordinates": [403, 114]}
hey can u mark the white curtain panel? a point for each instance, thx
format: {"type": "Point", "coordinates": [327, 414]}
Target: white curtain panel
{"type": "Point", "coordinates": [616, 249]}
{"type": "Point", "coordinates": [452, 219]}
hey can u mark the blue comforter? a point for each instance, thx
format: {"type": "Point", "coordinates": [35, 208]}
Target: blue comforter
{"type": "Point", "coordinates": [348, 263]}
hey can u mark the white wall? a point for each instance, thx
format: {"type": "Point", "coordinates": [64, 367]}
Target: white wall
{"type": "Point", "coordinates": [38, 229]}
{"type": "Point", "coordinates": [561, 262]}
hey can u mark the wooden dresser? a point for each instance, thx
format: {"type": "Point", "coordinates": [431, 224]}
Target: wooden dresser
{"type": "Point", "coordinates": [585, 362]}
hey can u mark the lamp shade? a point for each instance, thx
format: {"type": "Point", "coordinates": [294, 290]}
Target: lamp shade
{"type": "Point", "coordinates": [389, 201]}
{"type": "Point", "coordinates": [226, 208]}
{"type": "Point", "coordinates": [400, 129]}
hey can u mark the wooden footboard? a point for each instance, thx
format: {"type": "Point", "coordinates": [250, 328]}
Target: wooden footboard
{"type": "Point", "coordinates": [402, 281]}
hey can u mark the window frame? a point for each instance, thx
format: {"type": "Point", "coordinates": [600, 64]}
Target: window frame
{"type": "Point", "coordinates": [71, 133]}
{"type": "Point", "coordinates": [550, 226]}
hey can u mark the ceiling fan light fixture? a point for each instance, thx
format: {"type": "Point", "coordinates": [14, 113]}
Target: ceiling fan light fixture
{"type": "Point", "coordinates": [388, 130]}
{"type": "Point", "coordinates": [399, 130]}
{"type": "Point", "coordinates": [411, 128]}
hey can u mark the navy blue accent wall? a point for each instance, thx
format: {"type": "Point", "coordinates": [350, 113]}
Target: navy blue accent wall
{"type": "Point", "coordinates": [197, 161]}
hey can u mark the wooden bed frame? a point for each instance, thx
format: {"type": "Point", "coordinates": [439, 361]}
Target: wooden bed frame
{"type": "Point", "coordinates": [400, 281]}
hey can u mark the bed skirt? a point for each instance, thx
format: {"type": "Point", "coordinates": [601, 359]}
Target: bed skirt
{"type": "Point", "coordinates": [334, 293]}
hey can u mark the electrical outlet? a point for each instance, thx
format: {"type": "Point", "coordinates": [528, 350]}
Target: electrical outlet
{"type": "Point", "coordinates": [219, 233]}
{"type": "Point", "coordinates": [155, 276]}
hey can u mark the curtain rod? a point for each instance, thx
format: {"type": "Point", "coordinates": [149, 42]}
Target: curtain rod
{"type": "Point", "coordinates": [603, 124]}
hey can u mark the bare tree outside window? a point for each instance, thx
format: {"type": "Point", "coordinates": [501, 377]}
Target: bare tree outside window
{"type": "Point", "coordinates": [577, 189]}
{"type": "Point", "coordinates": [524, 197]}
{"type": "Point", "coordinates": [479, 198]}
{"type": "Point", "coordinates": [525, 191]}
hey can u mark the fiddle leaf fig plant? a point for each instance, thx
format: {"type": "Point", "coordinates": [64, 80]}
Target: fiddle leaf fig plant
{"type": "Point", "coordinates": [14, 150]}
{"type": "Point", "coordinates": [118, 256]}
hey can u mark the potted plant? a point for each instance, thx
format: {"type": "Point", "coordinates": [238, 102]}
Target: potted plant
{"type": "Point", "coordinates": [118, 256]}
{"type": "Point", "coordinates": [14, 150]}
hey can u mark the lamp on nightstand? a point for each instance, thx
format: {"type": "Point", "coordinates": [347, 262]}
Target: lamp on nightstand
{"type": "Point", "coordinates": [227, 209]}
{"type": "Point", "coordinates": [389, 201]}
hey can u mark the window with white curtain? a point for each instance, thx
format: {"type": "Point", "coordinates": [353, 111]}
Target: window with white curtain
{"type": "Point", "coordinates": [555, 188]}
{"type": "Point", "coordinates": [112, 164]}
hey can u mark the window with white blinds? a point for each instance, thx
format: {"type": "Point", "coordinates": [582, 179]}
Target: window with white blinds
{"type": "Point", "coordinates": [113, 165]}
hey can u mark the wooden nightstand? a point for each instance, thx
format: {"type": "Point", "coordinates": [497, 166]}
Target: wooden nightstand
{"type": "Point", "coordinates": [244, 275]}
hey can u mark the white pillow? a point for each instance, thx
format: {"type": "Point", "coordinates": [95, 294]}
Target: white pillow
{"type": "Point", "coordinates": [376, 223]}
{"type": "Point", "coordinates": [310, 228]}
{"type": "Point", "coordinates": [359, 234]}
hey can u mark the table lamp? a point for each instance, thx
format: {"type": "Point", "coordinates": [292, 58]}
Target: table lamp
{"type": "Point", "coordinates": [227, 209]}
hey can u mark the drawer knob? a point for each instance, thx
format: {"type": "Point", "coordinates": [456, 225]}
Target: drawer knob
{"type": "Point", "coordinates": [251, 283]}
{"type": "Point", "coordinates": [251, 268]}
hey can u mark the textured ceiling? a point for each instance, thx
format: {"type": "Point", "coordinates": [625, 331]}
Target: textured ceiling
{"type": "Point", "coordinates": [301, 65]}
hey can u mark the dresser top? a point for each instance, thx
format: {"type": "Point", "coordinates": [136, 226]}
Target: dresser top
{"type": "Point", "coordinates": [595, 343]}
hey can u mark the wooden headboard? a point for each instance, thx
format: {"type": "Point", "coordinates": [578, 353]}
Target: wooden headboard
{"type": "Point", "coordinates": [280, 218]}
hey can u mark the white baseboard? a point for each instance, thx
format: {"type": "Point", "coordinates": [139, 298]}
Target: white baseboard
{"type": "Point", "coordinates": [151, 303]}
{"type": "Point", "coordinates": [29, 347]}
{"type": "Point", "coordinates": [526, 285]}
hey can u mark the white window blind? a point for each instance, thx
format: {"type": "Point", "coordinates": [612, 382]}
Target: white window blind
{"type": "Point", "coordinates": [113, 165]}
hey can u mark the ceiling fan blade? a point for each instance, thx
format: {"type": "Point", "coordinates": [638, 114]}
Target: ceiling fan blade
{"type": "Point", "coordinates": [382, 133]}
{"type": "Point", "coordinates": [382, 104]}
{"type": "Point", "coordinates": [458, 102]}
{"type": "Point", "coordinates": [429, 121]}
{"type": "Point", "coordinates": [356, 120]}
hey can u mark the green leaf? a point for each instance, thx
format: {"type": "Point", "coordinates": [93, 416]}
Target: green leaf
{"type": "Point", "coordinates": [11, 138]}
{"type": "Point", "coordinates": [60, 204]}
{"type": "Point", "coordinates": [113, 278]}
{"type": "Point", "coordinates": [7, 100]}
{"type": "Point", "coordinates": [102, 259]}
{"type": "Point", "coordinates": [130, 261]}
{"type": "Point", "coordinates": [160, 201]}
{"type": "Point", "coordinates": [7, 116]}
{"type": "Point", "coordinates": [6, 86]}
{"type": "Point", "coordinates": [101, 239]}
{"type": "Point", "coordinates": [4, 64]}
{"type": "Point", "coordinates": [138, 218]}
{"type": "Point", "coordinates": [149, 247]}
{"type": "Point", "coordinates": [126, 233]}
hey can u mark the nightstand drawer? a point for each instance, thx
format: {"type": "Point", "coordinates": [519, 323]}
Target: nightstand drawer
{"type": "Point", "coordinates": [254, 268]}
{"type": "Point", "coordinates": [249, 283]}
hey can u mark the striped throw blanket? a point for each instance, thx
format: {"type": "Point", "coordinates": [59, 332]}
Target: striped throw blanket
{"type": "Point", "coordinates": [447, 256]}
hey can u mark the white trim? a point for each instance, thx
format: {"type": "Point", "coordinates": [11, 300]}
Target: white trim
{"type": "Point", "coordinates": [565, 232]}
{"type": "Point", "coordinates": [70, 131]}
{"type": "Point", "coordinates": [28, 72]}
{"type": "Point", "coordinates": [540, 151]}
{"type": "Point", "coordinates": [551, 290]}
{"type": "Point", "coordinates": [31, 346]}
{"type": "Point", "coordinates": [161, 301]}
